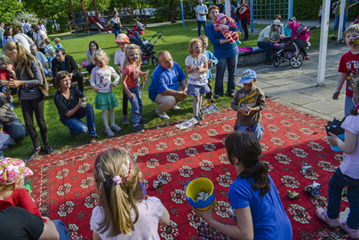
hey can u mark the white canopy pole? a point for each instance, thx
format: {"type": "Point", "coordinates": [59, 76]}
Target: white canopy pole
{"type": "Point", "coordinates": [341, 20]}
{"type": "Point", "coordinates": [323, 42]}
{"type": "Point", "coordinates": [228, 8]}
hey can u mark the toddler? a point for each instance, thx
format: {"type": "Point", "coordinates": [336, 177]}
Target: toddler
{"type": "Point", "coordinates": [231, 36]}
{"type": "Point", "coordinates": [122, 42]}
{"type": "Point", "coordinates": [12, 192]}
{"type": "Point", "coordinates": [346, 175]}
{"type": "Point", "coordinates": [212, 60]}
{"type": "Point", "coordinates": [348, 63]}
{"type": "Point", "coordinates": [124, 211]}
{"type": "Point", "coordinates": [197, 68]}
{"type": "Point", "coordinates": [101, 83]}
{"type": "Point", "coordinates": [130, 79]}
{"type": "Point", "coordinates": [47, 45]}
{"type": "Point", "coordinates": [249, 101]}
{"type": "Point", "coordinates": [58, 44]}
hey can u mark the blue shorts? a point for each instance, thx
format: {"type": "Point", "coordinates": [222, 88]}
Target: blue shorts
{"type": "Point", "coordinates": [196, 90]}
{"type": "Point", "coordinates": [255, 129]}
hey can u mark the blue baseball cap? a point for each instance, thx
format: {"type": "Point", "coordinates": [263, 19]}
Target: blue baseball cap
{"type": "Point", "coordinates": [247, 76]}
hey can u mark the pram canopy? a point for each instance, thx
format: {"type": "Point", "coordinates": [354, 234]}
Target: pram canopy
{"type": "Point", "coordinates": [298, 29]}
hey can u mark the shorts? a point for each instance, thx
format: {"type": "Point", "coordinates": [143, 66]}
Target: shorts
{"type": "Point", "coordinates": [196, 90]}
{"type": "Point", "coordinates": [255, 129]}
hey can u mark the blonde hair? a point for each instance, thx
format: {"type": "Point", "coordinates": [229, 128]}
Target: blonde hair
{"type": "Point", "coordinates": [352, 28]}
{"type": "Point", "coordinates": [193, 42]}
{"type": "Point", "coordinates": [57, 40]}
{"type": "Point", "coordinates": [117, 200]}
{"type": "Point", "coordinates": [128, 49]}
{"type": "Point", "coordinates": [6, 188]}
{"type": "Point", "coordinates": [47, 40]}
{"type": "Point", "coordinates": [100, 55]}
{"type": "Point", "coordinates": [59, 76]}
{"type": "Point", "coordinates": [204, 39]}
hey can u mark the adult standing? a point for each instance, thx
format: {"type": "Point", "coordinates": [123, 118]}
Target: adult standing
{"type": "Point", "coordinates": [236, 16]}
{"type": "Point", "coordinates": [39, 37]}
{"type": "Point", "coordinates": [33, 87]}
{"type": "Point", "coordinates": [243, 12]}
{"type": "Point", "coordinates": [201, 12]}
{"type": "Point", "coordinates": [27, 29]}
{"type": "Point", "coordinates": [42, 26]}
{"type": "Point", "coordinates": [67, 63]}
{"type": "Point", "coordinates": [42, 59]}
{"type": "Point", "coordinates": [225, 52]}
{"type": "Point", "coordinates": [336, 5]}
{"type": "Point", "coordinates": [220, 6]}
{"type": "Point", "coordinates": [90, 64]}
{"type": "Point", "coordinates": [266, 39]}
{"type": "Point", "coordinates": [22, 25]}
{"type": "Point", "coordinates": [7, 36]}
{"type": "Point", "coordinates": [2, 31]}
{"type": "Point", "coordinates": [168, 85]}
{"type": "Point", "coordinates": [23, 39]}
{"type": "Point", "coordinates": [115, 21]}
{"type": "Point", "coordinates": [71, 109]}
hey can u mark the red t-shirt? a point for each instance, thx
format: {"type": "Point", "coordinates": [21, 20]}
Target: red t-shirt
{"type": "Point", "coordinates": [5, 74]}
{"type": "Point", "coordinates": [348, 62]}
{"type": "Point", "coordinates": [132, 75]}
{"type": "Point", "coordinates": [245, 14]}
{"type": "Point", "coordinates": [20, 197]}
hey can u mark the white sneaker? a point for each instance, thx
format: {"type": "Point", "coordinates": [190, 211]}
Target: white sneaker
{"type": "Point", "coordinates": [163, 116]}
{"type": "Point", "coordinates": [175, 107]}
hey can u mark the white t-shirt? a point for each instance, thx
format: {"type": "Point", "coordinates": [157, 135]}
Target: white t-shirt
{"type": "Point", "coordinates": [201, 9]}
{"type": "Point", "coordinates": [350, 164]}
{"type": "Point", "coordinates": [197, 78]}
{"type": "Point", "coordinates": [146, 228]}
{"type": "Point", "coordinates": [102, 78]}
{"type": "Point", "coordinates": [119, 57]}
{"type": "Point", "coordinates": [37, 37]}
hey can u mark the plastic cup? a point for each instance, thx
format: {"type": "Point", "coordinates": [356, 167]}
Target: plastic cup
{"type": "Point", "coordinates": [200, 185]}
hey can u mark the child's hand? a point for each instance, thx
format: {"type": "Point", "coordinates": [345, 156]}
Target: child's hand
{"type": "Point", "coordinates": [7, 93]}
{"type": "Point", "coordinates": [3, 119]}
{"type": "Point", "coordinates": [333, 139]}
{"type": "Point", "coordinates": [210, 61]}
{"type": "Point", "coordinates": [4, 82]}
{"type": "Point", "coordinates": [112, 84]}
{"type": "Point", "coordinates": [131, 95]}
{"type": "Point", "coordinates": [198, 69]}
{"type": "Point", "coordinates": [243, 110]}
{"type": "Point", "coordinates": [8, 67]}
{"type": "Point", "coordinates": [120, 69]}
{"type": "Point", "coordinates": [96, 89]}
{"type": "Point", "coordinates": [336, 95]}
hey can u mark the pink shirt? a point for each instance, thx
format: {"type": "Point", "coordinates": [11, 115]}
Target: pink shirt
{"type": "Point", "coordinates": [350, 164]}
{"type": "Point", "coordinates": [146, 228]}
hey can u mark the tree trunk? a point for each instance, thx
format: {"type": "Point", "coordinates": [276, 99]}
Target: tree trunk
{"type": "Point", "coordinates": [173, 20]}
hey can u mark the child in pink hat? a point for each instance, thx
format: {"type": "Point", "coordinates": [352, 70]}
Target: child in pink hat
{"type": "Point", "coordinates": [12, 193]}
{"type": "Point", "coordinates": [231, 36]}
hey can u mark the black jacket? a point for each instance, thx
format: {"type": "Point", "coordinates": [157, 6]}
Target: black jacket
{"type": "Point", "coordinates": [70, 65]}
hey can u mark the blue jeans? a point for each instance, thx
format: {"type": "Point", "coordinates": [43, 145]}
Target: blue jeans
{"type": "Point", "coordinates": [348, 105]}
{"type": "Point", "coordinates": [267, 46]}
{"type": "Point", "coordinates": [336, 23]}
{"type": "Point", "coordinates": [221, 68]}
{"type": "Point", "coordinates": [15, 128]}
{"type": "Point", "coordinates": [255, 129]}
{"type": "Point", "coordinates": [62, 230]}
{"type": "Point", "coordinates": [336, 184]}
{"type": "Point", "coordinates": [136, 105]}
{"type": "Point", "coordinates": [116, 31]}
{"type": "Point", "coordinates": [77, 126]}
{"type": "Point", "coordinates": [199, 23]}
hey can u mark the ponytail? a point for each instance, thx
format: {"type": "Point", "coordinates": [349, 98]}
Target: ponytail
{"type": "Point", "coordinates": [260, 175]}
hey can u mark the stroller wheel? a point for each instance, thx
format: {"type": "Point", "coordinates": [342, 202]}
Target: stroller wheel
{"type": "Point", "coordinates": [276, 61]}
{"type": "Point", "coordinates": [296, 62]}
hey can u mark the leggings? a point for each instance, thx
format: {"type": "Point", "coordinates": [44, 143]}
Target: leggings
{"type": "Point", "coordinates": [124, 103]}
{"type": "Point", "coordinates": [302, 50]}
{"type": "Point", "coordinates": [231, 36]}
{"type": "Point", "coordinates": [244, 23]}
{"type": "Point", "coordinates": [28, 108]}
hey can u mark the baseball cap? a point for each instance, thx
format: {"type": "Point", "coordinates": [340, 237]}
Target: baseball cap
{"type": "Point", "coordinates": [122, 38]}
{"type": "Point", "coordinates": [12, 170]}
{"type": "Point", "coordinates": [247, 76]}
{"type": "Point", "coordinates": [277, 22]}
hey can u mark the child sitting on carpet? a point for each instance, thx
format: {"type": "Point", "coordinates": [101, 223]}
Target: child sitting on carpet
{"type": "Point", "coordinates": [212, 60]}
{"type": "Point", "coordinates": [130, 78]}
{"type": "Point", "coordinates": [101, 83]}
{"type": "Point", "coordinates": [346, 175]}
{"type": "Point", "coordinates": [12, 192]}
{"type": "Point", "coordinates": [257, 207]}
{"type": "Point", "coordinates": [197, 68]}
{"type": "Point", "coordinates": [124, 211]}
{"type": "Point", "coordinates": [249, 101]}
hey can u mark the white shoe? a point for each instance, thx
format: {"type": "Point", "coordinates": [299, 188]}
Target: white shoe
{"type": "Point", "coordinates": [175, 107]}
{"type": "Point", "coordinates": [163, 116]}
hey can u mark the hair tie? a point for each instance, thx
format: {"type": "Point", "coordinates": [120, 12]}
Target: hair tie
{"type": "Point", "coordinates": [117, 179]}
{"type": "Point", "coordinates": [357, 107]}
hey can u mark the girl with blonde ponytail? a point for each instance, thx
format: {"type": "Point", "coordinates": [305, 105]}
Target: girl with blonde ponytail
{"type": "Point", "coordinates": [124, 211]}
{"type": "Point", "coordinates": [32, 88]}
{"type": "Point", "coordinates": [257, 207]}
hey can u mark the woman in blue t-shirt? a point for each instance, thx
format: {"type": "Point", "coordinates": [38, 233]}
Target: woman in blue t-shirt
{"type": "Point", "coordinates": [256, 205]}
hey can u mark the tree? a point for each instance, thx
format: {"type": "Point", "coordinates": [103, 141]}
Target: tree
{"type": "Point", "coordinates": [9, 9]}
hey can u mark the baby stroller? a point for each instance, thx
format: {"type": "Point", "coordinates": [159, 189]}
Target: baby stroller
{"type": "Point", "coordinates": [140, 28]}
{"type": "Point", "coordinates": [146, 46]}
{"type": "Point", "coordinates": [290, 49]}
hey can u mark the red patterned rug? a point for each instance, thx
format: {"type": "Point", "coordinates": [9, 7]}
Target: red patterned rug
{"type": "Point", "coordinates": [63, 185]}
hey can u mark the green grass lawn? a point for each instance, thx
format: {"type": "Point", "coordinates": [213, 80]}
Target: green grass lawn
{"type": "Point", "coordinates": [175, 40]}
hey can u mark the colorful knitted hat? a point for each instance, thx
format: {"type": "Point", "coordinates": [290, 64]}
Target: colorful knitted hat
{"type": "Point", "coordinates": [12, 170]}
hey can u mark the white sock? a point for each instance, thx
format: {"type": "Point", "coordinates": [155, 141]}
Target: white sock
{"type": "Point", "coordinates": [112, 116]}
{"type": "Point", "coordinates": [195, 105]}
{"type": "Point", "coordinates": [105, 118]}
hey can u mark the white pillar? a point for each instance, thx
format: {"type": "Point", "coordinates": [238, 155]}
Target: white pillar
{"type": "Point", "coordinates": [323, 42]}
{"type": "Point", "coordinates": [341, 20]}
{"type": "Point", "coordinates": [228, 8]}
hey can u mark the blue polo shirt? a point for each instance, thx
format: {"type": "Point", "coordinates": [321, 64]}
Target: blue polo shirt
{"type": "Point", "coordinates": [162, 79]}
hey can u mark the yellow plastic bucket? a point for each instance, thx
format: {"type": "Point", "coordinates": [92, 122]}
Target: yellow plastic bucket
{"type": "Point", "coordinates": [196, 186]}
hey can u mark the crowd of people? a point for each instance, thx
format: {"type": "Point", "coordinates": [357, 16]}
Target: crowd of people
{"type": "Point", "coordinates": [124, 207]}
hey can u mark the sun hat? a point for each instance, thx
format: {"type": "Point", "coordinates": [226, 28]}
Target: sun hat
{"type": "Point", "coordinates": [122, 38]}
{"type": "Point", "coordinates": [277, 22]}
{"type": "Point", "coordinates": [220, 16]}
{"type": "Point", "coordinates": [12, 170]}
{"type": "Point", "coordinates": [247, 76]}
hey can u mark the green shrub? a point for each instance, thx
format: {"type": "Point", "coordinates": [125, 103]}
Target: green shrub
{"type": "Point", "coordinates": [63, 23]}
{"type": "Point", "coordinates": [50, 27]}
